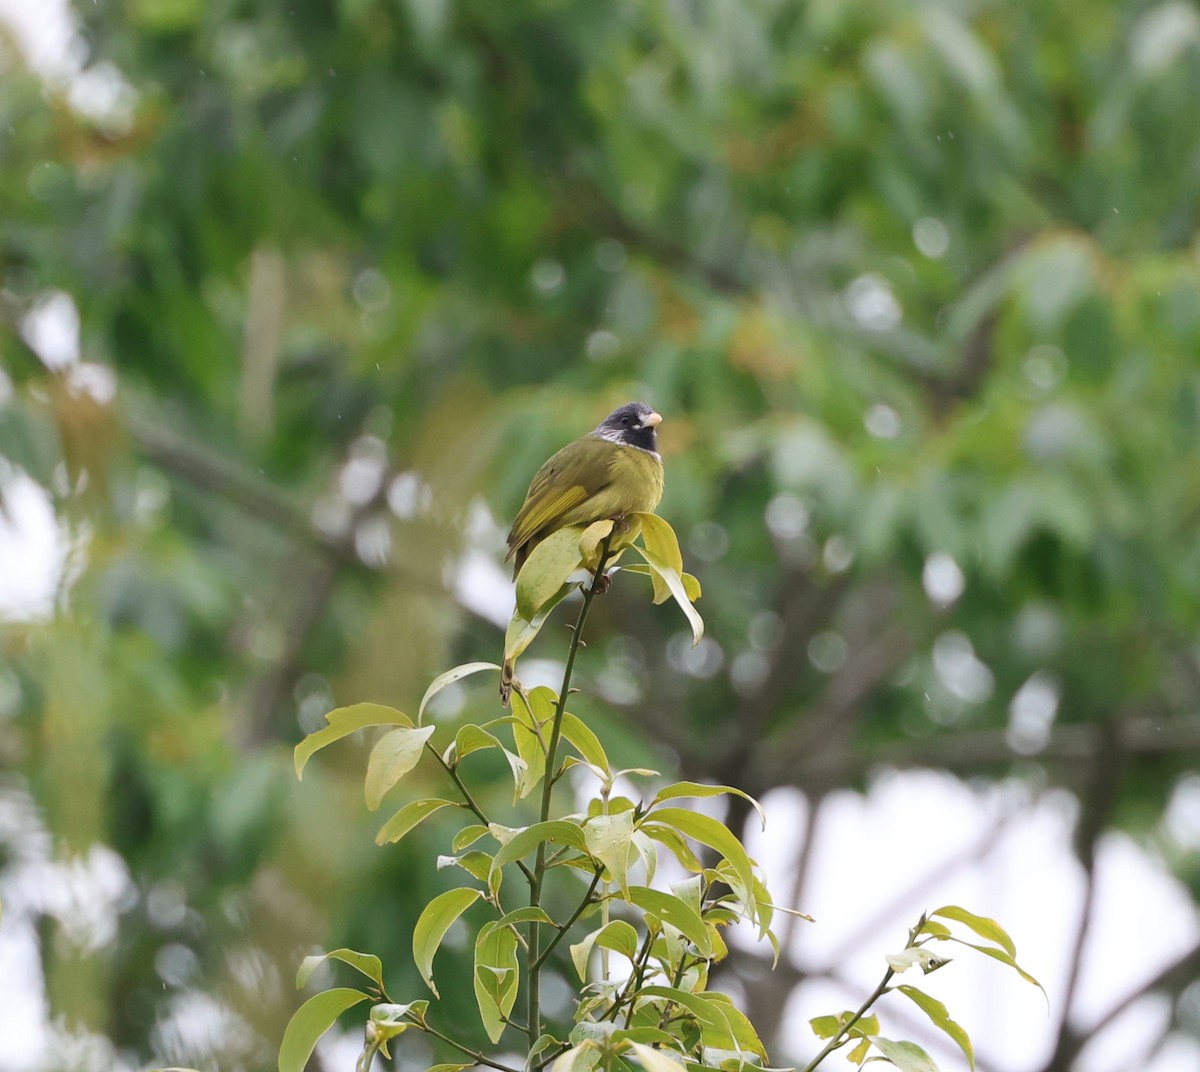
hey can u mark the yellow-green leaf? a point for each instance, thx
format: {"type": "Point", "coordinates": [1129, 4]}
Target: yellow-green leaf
{"type": "Point", "coordinates": [653, 1060]}
{"type": "Point", "coordinates": [906, 1056]}
{"type": "Point", "coordinates": [744, 1035]}
{"type": "Point", "coordinates": [468, 835]}
{"type": "Point", "coordinates": [690, 584]}
{"type": "Point", "coordinates": [936, 1012]}
{"type": "Point", "coordinates": [367, 963]}
{"type": "Point", "coordinates": [448, 678]}
{"type": "Point", "coordinates": [547, 569]}
{"type": "Point", "coordinates": [585, 742]}
{"type": "Point", "coordinates": [659, 539]}
{"type": "Point", "coordinates": [525, 841]}
{"type": "Point", "coordinates": [716, 835]}
{"type": "Point", "coordinates": [592, 537]}
{"type": "Point", "coordinates": [435, 920]}
{"type": "Point", "coordinates": [527, 736]}
{"type": "Point", "coordinates": [495, 976]}
{"type": "Point", "coordinates": [341, 723]}
{"type": "Point", "coordinates": [693, 790]}
{"type": "Point", "coordinates": [674, 582]}
{"type": "Point", "coordinates": [609, 839]}
{"type": "Point", "coordinates": [316, 1016]}
{"type": "Point", "coordinates": [394, 755]}
{"type": "Point", "coordinates": [520, 633]}
{"type": "Point", "coordinates": [672, 910]}
{"type": "Point", "coordinates": [981, 925]}
{"type": "Point", "coordinates": [616, 935]}
{"type": "Point", "coordinates": [1004, 958]}
{"type": "Point", "coordinates": [408, 817]}
{"type": "Point", "coordinates": [673, 840]}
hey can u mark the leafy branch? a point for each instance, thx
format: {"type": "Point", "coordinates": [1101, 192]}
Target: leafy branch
{"type": "Point", "coordinates": [662, 1013]}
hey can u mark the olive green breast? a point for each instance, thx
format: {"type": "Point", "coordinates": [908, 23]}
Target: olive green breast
{"type": "Point", "coordinates": [588, 480]}
{"type": "Point", "coordinates": [635, 483]}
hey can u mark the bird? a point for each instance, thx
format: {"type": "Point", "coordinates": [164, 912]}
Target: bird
{"type": "Point", "coordinates": [612, 471]}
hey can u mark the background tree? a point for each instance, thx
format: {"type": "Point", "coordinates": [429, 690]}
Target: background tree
{"type": "Point", "coordinates": [915, 285]}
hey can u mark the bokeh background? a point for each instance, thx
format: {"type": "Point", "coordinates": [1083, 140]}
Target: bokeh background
{"type": "Point", "coordinates": [295, 297]}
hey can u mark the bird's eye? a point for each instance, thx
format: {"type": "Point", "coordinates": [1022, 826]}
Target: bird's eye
{"type": "Point", "coordinates": [625, 421]}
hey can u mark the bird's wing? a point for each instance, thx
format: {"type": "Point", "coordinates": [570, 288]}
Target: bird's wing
{"type": "Point", "coordinates": [573, 475]}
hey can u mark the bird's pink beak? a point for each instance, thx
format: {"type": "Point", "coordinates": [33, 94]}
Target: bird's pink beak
{"type": "Point", "coordinates": [651, 420]}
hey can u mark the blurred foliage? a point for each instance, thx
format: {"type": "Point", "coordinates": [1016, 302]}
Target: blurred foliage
{"type": "Point", "coordinates": [915, 284]}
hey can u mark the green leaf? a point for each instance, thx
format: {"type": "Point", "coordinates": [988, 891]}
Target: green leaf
{"type": "Point", "coordinates": [936, 1012]}
{"type": "Point", "coordinates": [711, 1017]}
{"type": "Point", "coordinates": [547, 569]}
{"type": "Point", "coordinates": [609, 839]}
{"type": "Point", "coordinates": [448, 678]}
{"type": "Point", "coordinates": [470, 738]}
{"type": "Point", "coordinates": [408, 817]}
{"type": "Point", "coordinates": [906, 1056]}
{"type": "Point", "coordinates": [671, 838]}
{"type": "Point", "coordinates": [527, 719]}
{"type": "Point", "coordinates": [342, 722]}
{"type": "Point", "coordinates": [394, 755]}
{"type": "Point", "coordinates": [827, 1026]}
{"type": "Point", "coordinates": [520, 633]}
{"type": "Point", "coordinates": [591, 538]}
{"type": "Point", "coordinates": [694, 790]}
{"type": "Point", "coordinates": [740, 1027]}
{"type": "Point", "coordinates": [436, 919]}
{"type": "Point", "coordinates": [391, 1013]}
{"type": "Point", "coordinates": [653, 1060]}
{"type": "Point", "coordinates": [525, 841]}
{"type": "Point", "coordinates": [690, 585]}
{"type": "Point", "coordinates": [468, 835]}
{"type": "Point", "coordinates": [981, 925]}
{"type": "Point", "coordinates": [577, 1059]}
{"type": "Point", "coordinates": [647, 852]}
{"type": "Point", "coordinates": [449, 1067]}
{"type": "Point", "coordinates": [477, 864]}
{"type": "Point", "coordinates": [674, 582]}
{"type": "Point", "coordinates": [518, 769]}
{"type": "Point", "coordinates": [716, 835]}
{"type": "Point", "coordinates": [496, 973]}
{"type": "Point", "coordinates": [659, 539]}
{"type": "Point", "coordinates": [367, 963]}
{"type": "Point", "coordinates": [528, 914]}
{"type": "Point", "coordinates": [1004, 958]}
{"type": "Point", "coordinates": [585, 742]}
{"type": "Point", "coordinates": [672, 910]}
{"type": "Point", "coordinates": [316, 1016]}
{"type": "Point", "coordinates": [616, 935]}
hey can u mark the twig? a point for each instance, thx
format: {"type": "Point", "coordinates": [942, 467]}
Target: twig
{"type": "Point", "coordinates": [533, 980]}
{"type": "Point", "coordinates": [475, 1055]}
{"type": "Point", "coordinates": [469, 800]}
{"type": "Point", "coordinates": [836, 1041]}
{"type": "Point", "coordinates": [561, 931]}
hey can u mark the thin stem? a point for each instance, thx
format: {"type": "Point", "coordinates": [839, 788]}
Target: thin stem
{"type": "Point", "coordinates": [836, 1041]}
{"type": "Point", "coordinates": [634, 982]}
{"type": "Point", "coordinates": [561, 931]}
{"type": "Point", "coordinates": [470, 801]}
{"type": "Point", "coordinates": [533, 980]}
{"type": "Point", "coordinates": [475, 1055]}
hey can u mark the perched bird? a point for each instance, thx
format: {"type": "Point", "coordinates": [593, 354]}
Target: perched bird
{"type": "Point", "coordinates": [613, 470]}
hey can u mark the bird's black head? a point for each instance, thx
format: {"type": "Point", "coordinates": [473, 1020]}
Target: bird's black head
{"type": "Point", "coordinates": [634, 424]}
